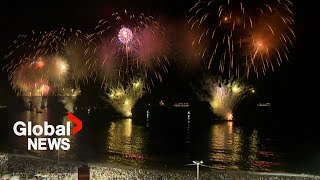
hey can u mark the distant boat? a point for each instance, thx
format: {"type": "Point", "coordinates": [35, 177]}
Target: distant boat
{"type": "Point", "coordinates": [181, 105]}
{"type": "Point", "coordinates": [264, 104]}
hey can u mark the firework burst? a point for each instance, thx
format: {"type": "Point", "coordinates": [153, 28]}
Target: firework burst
{"type": "Point", "coordinates": [44, 62]}
{"type": "Point", "coordinates": [242, 37]}
{"type": "Point", "coordinates": [68, 97]}
{"type": "Point", "coordinates": [129, 45]}
{"type": "Point", "coordinates": [56, 56]}
{"type": "Point", "coordinates": [124, 97]}
{"type": "Point", "coordinates": [225, 96]}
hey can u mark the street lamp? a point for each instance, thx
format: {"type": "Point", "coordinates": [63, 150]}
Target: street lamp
{"type": "Point", "coordinates": [198, 163]}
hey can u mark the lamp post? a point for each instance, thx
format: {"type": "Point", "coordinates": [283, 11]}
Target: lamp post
{"type": "Point", "coordinates": [198, 163]}
{"type": "Point", "coordinates": [58, 156]}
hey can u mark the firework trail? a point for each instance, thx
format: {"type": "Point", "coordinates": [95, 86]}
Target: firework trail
{"type": "Point", "coordinates": [129, 45]}
{"type": "Point", "coordinates": [224, 96]}
{"type": "Point", "coordinates": [46, 60]}
{"type": "Point", "coordinates": [123, 97]}
{"type": "Point", "coordinates": [243, 36]}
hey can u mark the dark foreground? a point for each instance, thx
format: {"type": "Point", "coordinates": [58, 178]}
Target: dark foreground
{"type": "Point", "coordinates": [27, 167]}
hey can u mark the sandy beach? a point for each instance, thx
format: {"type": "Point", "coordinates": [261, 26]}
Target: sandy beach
{"type": "Point", "coordinates": [26, 167]}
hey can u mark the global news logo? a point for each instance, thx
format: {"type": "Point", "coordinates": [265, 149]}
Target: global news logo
{"type": "Point", "coordinates": [46, 136]}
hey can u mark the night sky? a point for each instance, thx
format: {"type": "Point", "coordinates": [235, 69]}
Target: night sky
{"type": "Point", "coordinates": [292, 86]}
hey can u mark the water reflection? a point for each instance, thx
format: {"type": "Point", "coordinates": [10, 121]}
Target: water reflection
{"type": "Point", "coordinates": [147, 119]}
{"type": "Point", "coordinates": [225, 146]}
{"type": "Point", "coordinates": [74, 142]}
{"type": "Point", "coordinates": [150, 140]}
{"type": "Point", "coordinates": [20, 143]}
{"type": "Point", "coordinates": [253, 150]}
{"type": "Point", "coordinates": [187, 137]}
{"type": "Point", "coordinates": [234, 148]}
{"type": "Point", "coordinates": [126, 142]}
{"type": "Point", "coordinates": [188, 130]}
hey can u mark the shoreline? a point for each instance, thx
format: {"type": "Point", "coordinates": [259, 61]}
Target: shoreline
{"type": "Point", "coordinates": [234, 173]}
{"type": "Point", "coordinates": [116, 170]}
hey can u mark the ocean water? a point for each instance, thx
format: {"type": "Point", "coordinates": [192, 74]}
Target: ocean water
{"type": "Point", "coordinates": [162, 137]}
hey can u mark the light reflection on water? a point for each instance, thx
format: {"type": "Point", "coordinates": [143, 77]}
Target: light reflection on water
{"type": "Point", "coordinates": [145, 141]}
{"type": "Point", "coordinates": [225, 146]}
{"type": "Point", "coordinates": [20, 143]}
{"type": "Point", "coordinates": [234, 148]}
{"type": "Point", "coordinates": [126, 141]}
